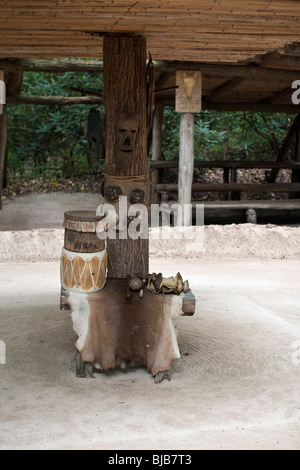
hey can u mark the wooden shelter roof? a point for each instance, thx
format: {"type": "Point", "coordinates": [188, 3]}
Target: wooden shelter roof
{"type": "Point", "coordinates": [194, 30]}
{"type": "Point", "coordinates": [248, 51]}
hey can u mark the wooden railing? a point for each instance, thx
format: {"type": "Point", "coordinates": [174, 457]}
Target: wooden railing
{"type": "Point", "coordinates": [229, 164]}
{"type": "Point", "coordinates": [226, 185]}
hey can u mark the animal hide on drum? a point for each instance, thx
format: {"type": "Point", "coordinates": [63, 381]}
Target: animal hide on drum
{"type": "Point", "coordinates": [113, 330]}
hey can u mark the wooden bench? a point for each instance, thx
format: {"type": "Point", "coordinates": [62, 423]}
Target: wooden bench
{"type": "Point", "coordinates": [249, 207]}
{"type": "Point", "coordinates": [230, 186]}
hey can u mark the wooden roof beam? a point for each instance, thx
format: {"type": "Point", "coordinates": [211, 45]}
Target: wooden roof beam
{"type": "Point", "coordinates": [90, 65]}
{"type": "Point", "coordinates": [250, 106]}
{"type": "Point", "coordinates": [277, 96]}
{"type": "Point", "coordinates": [229, 71]}
{"type": "Point", "coordinates": [238, 106]}
{"type": "Point", "coordinates": [163, 79]}
{"type": "Point", "coordinates": [292, 49]}
{"type": "Point", "coordinates": [51, 65]}
{"type": "Point", "coordinates": [222, 89]}
{"type": "Point", "coordinates": [277, 60]}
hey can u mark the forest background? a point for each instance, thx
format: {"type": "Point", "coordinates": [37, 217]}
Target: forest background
{"type": "Point", "coordinates": [48, 147]}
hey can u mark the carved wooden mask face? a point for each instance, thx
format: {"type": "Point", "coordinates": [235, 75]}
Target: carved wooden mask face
{"type": "Point", "coordinates": [189, 83]}
{"type": "Point", "coordinates": [127, 128]}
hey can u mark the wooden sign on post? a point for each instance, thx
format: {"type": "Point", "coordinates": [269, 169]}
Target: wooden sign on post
{"type": "Point", "coordinates": [188, 93]}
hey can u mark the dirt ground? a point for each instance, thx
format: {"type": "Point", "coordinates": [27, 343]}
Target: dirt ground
{"type": "Point", "coordinates": [236, 385]}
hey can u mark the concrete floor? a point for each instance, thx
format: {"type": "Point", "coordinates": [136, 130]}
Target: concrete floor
{"type": "Point", "coordinates": [236, 386]}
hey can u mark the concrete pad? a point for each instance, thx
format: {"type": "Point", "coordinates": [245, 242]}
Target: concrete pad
{"type": "Point", "coordinates": [46, 210]}
{"type": "Point", "coordinates": [236, 385]}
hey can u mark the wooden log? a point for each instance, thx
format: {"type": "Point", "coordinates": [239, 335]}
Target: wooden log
{"type": "Point", "coordinates": [265, 204]}
{"type": "Point", "coordinates": [277, 60]}
{"type": "Point", "coordinates": [228, 71]}
{"type": "Point", "coordinates": [54, 100]}
{"type": "Point", "coordinates": [126, 140]}
{"type": "Point", "coordinates": [228, 86]}
{"type": "Point", "coordinates": [91, 65]}
{"type": "Point", "coordinates": [247, 106]}
{"type": "Point", "coordinates": [52, 65]}
{"type": "Point", "coordinates": [228, 164]}
{"type": "Point", "coordinates": [252, 187]}
{"type": "Point", "coordinates": [186, 158]}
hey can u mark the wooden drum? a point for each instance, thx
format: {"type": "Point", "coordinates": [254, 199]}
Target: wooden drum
{"type": "Point", "coordinates": [83, 264]}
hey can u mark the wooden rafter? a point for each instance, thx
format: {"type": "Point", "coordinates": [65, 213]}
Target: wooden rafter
{"type": "Point", "coordinates": [226, 87]}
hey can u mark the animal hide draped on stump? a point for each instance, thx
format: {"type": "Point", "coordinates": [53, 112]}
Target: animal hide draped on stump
{"type": "Point", "coordinates": [113, 330]}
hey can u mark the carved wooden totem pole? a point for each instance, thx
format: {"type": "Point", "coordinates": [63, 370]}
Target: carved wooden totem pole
{"type": "Point", "coordinates": [129, 313]}
{"type": "Point", "coordinates": [126, 166]}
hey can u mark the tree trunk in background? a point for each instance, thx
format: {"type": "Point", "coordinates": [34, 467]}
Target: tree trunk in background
{"type": "Point", "coordinates": [156, 146]}
{"type": "Point", "coordinates": [296, 173]}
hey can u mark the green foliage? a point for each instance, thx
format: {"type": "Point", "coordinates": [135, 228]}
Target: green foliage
{"type": "Point", "coordinates": [51, 140]}
{"type": "Point", "coordinates": [228, 135]}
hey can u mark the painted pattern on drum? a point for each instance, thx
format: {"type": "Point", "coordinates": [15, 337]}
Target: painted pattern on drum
{"type": "Point", "coordinates": [87, 274]}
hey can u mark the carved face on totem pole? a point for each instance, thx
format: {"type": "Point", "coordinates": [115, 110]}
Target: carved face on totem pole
{"type": "Point", "coordinates": [126, 136]}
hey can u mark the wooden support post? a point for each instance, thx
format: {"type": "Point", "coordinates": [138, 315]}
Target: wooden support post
{"type": "Point", "coordinates": [156, 147]}
{"type": "Point", "coordinates": [2, 143]}
{"type": "Point", "coordinates": [125, 80]}
{"type": "Point", "coordinates": [233, 179]}
{"type": "Point", "coordinates": [186, 158]}
{"type": "Point", "coordinates": [226, 181]}
{"type": "Point", "coordinates": [188, 102]}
